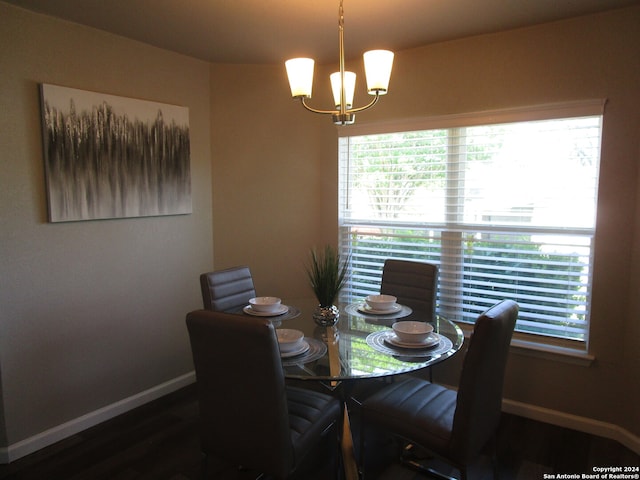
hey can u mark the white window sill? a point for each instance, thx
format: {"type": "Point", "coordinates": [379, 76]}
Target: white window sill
{"type": "Point", "coordinates": [552, 352]}
{"type": "Point", "coordinates": [521, 344]}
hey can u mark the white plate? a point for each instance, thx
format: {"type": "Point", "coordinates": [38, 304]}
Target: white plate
{"type": "Point", "coordinates": [250, 311]}
{"type": "Point", "coordinates": [364, 308]}
{"type": "Point", "coordinates": [299, 351]}
{"type": "Point", "coordinates": [432, 339]}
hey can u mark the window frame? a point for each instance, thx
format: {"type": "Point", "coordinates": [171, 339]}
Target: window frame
{"type": "Point", "coordinates": [548, 345]}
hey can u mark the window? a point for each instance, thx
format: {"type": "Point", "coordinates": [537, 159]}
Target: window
{"type": "Point", "coordinates": [506, 209]}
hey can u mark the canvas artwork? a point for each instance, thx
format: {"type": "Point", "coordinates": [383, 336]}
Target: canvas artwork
{"type": "Point", "coordinates": [112, 157]}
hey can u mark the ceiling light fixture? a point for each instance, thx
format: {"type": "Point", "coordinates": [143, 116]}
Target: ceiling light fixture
{"type": "Point", "coordinates": [377, 66]}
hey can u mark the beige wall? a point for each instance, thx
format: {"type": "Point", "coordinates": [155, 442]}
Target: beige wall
{"type": "Point", "coordinates": [267, 152]}
{"type": "Point", "coordinates": [273, 177]}
{"type": "Point", "coordinates": [91, 313]}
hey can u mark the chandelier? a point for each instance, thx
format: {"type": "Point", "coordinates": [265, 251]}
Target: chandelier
{"type": "Point", "coordinates": [377, 66]}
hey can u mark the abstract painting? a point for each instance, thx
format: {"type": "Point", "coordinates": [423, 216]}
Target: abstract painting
{"type": "Point", "coordinates": [108, 156]}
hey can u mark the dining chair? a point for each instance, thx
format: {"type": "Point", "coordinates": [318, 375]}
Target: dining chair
{"type": "Point", "coordinates": [454, 426]}
{"type": "Point", "coordinates": [248, 417]}
{"type": "Point", "coordinates": [227, 290]}
{"type": "Point", "coordinates": [413, 283]}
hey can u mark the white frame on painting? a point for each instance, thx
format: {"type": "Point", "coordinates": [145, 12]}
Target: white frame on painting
{"type": "Point", "coordinates": [113, 157]}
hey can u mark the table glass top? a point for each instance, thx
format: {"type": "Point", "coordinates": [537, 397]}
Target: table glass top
{"type": "Point", "coordinates": [361, 344]}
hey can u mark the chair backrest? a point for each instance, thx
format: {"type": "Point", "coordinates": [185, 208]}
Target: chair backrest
{"type": "Point", "coordinates": [227, 290]}
{"type": "Point", "coordinates": [241, 388]}
{"type": "Point", "coordinates": [479, 401]}
{"type": "Point", "coordinates": [414, 283]}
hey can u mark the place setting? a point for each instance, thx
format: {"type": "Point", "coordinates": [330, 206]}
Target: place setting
{"type": "Point", "coordinates": [411, 339]}
{"type": "Point", "coordinates": [382, 307]}
{"type": "Point", "coordinates": [270, 307]}
{"type": "Point", "coordinates": [296, 348]}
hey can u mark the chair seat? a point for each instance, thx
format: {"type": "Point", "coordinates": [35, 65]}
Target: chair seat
{"type": "Point", "coordinates": [310, 414]}
{"type": "Point", "coordinates": [415, 409]}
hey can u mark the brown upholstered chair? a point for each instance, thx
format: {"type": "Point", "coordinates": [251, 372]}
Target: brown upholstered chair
{"type": "Point", "coordinates": [248, 417]}
{"type": "Point", "coordinates": [227, 290]}
{"type": "Point", "coordinates": [414, 283]}
{"type": "Point", "coordinates": [455, 426]}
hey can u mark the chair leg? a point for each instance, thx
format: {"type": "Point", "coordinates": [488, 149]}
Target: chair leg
{"type": "Point", "coordinates": [415, 465]}
{"type": "Point", "coordinates": [411, 459]}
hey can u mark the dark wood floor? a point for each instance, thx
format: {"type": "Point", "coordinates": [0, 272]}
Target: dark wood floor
{"type": "Point", "coordinates": [159, 442]}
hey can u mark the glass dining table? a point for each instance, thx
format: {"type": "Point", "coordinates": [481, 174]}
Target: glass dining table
{"type": "Point", "coordinates": [360, 346]}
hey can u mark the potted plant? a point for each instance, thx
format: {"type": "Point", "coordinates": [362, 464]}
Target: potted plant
{"type": "Point", "coordinates": [327, 275]}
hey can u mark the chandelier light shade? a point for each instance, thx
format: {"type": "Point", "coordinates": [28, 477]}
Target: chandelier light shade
{"type": "Point", "coordinates": [349, 88]}
{"type": "Point", "coordinates": [300, 73]}
{"type": "Point", "coordinates": [377, 66]}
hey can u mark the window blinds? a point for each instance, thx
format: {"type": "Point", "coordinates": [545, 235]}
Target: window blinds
{"type": "Point", "coordinates": [507, 210]}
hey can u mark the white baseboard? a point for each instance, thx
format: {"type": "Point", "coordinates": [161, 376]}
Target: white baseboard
{"type": "Point", "coordinates": [60, 432]}
{"type": "Point", "coordinates": [574, 422]}
{"type": "Point", "coordinates": [55, 434]}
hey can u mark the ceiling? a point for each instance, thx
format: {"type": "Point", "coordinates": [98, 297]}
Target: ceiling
{"type": "Point", "coordinates": [270, 31]}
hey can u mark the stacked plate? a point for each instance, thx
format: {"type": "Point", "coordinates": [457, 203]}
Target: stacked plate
{"type": "Point", "coordinates": [265, 307]}
{"type": "Point", "coordinates": [412, 334]}
{"type": "Point", "coordinates": [291, 342]}
{"type": "Point", "coordinates": [380, 305]}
